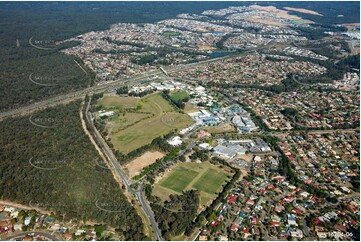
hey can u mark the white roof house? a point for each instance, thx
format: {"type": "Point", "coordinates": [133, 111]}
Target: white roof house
{"type": "Point", "coordinates": [106, 114]}
{"type": "Point", "coordinates": [175, 141]}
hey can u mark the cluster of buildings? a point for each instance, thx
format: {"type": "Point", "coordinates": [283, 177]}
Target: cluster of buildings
{"type": "Point", "coordinates": [350, 81]}
{"type": "Point", "coordinates": [261, 207]}
{"type": "Point", "coordinates": [304, 53]}
{"type": "Point", "coordinates": [14, 220]}
{"type": "Point", "coordinates": [262, 105]}
{"type": "Point", "coordinates": [126, 49]}
{"type": "Point", "coordinates": [158, 85]}
{"type": "Point", "coordinates": [251, 40]}
{"type": "Point", "coordinates": [252, 69]}
{"type": "Point", "coordinates": [198, 26]}
{"type": "Point", "coordinates": [219, 116]}
{"type": "Point", "coordinates": [265, 205]}
{"type": "Point", "coordinates": [244, 123]}
{"type": "Point", "coordinates": [107, 66]}
{"type": "Point", "coordinates": [324, 109]}
{"type": "Point", "coordinates": [230, 149]}
{"type": "Point", "coordinates": [315, 109]}
{"type": "Point", "coordinates": [326, 160]}
{"type": "Point", "coordinates": [200, 97]}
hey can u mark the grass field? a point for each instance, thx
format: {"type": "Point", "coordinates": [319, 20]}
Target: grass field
{"type": "Point", "coordinates": [179, 95]}
{"type": "Point", "coordinates": [211, 180]}
{"type": "Point", "coordinates": [189, 108]}
{"type": "Point", "coordinates": [153, 117]}
{"type": "Point", "coordinates": [157, 104]}
{"type": "Point", "coordinates": [170, 33]}
{"type": "Point", "coordinates": [120, 121]}
{"type": "Point", "coordinates": [117, 101]}
{"type": "Point", "coordinates": [205, 177]}
{"type": "Point", "coordinates": [179, 179]}
{"type": "Point", "coordinates": [145, 131]}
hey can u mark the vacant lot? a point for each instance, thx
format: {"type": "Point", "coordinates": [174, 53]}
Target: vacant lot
{"type": "Point", "coordinates": [136, 166]}
{"type": "Point", "coordinates": [153, 117]}
{"type": "Point", "coordinates": [205, 177]}
{"type": "Point", "coordinates": [189, 108]}
{"type": "Point", "coordinates": [225, 128]}
{"type": "Point", "coordinates": [273, 20]}
{"type": "Point", "coordinates": [302, 10]}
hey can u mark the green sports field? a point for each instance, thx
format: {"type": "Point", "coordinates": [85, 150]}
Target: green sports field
{"type": "Point", "coordinates": [117, 101]}
{"type": "Point", "coordinates": [179, 95]}
{"type": "Point", "coordinates": [204, 177]}
{"type": "Point", "coordinates": [180, 179]}
{"type": "Point", "coordinates": [170, 33]}
{"type": "Point", "coordinates": [211, 180]}
{"type": "Point", "coordinates": [139, 121]}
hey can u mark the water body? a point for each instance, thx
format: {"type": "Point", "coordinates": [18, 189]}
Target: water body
{"type": "Point", "coordinates": [219, 54]}
{"type": "Point", "coordinates": [218, 32]}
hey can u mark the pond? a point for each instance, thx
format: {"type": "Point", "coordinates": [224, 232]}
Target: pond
{"type": "Point", "coordinates": [220, 53]}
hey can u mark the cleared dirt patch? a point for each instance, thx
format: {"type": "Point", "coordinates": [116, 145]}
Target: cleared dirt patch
{"type": "Point", "coordinates": [136, 166]}
{"type": "Point", "coordinates": [268, 10]}
{"type": "Point", "coordinates": [302, 10]}
{"type": "Point", "coordinates": [189, 108]}
{"type": "Point", "coordinates": [225, 128]}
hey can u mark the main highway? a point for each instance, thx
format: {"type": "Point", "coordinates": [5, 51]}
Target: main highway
{"type": "Point", "coordinates": [76, 95]}
{"type": "Point", "coordinates": [65, 98]}
{"type": "Point", "coordinates": [133, 80]}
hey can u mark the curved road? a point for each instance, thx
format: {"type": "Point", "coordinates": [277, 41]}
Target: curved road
{"type": "Point", "coordinates": [138, 193]}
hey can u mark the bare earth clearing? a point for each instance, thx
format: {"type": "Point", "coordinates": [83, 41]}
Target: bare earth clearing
{"type": "Point", "coordinates": [302, 10]}
{"type": "Point", "coordinates": [136, 166]}
{"type": "Point", "coordinates": [280, 13]}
